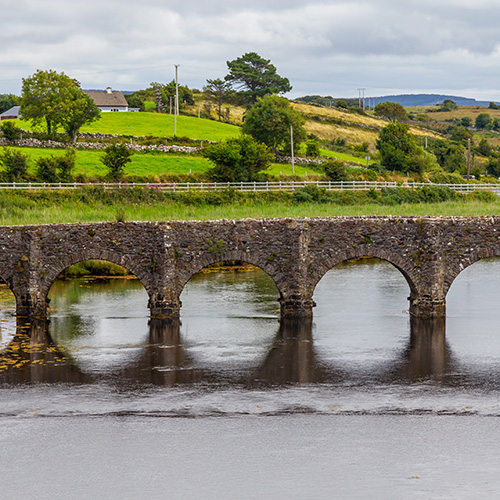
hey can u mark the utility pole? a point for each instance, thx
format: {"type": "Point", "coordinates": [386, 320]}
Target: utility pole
{"type": "Point", "coordinates": [176, 104]}
{"type": "Point", "coordinates": [291, 143]}
{"type": "Point", "coordinates": [361, 98]}
{"type": "Point", "coordinates": [468, 160]}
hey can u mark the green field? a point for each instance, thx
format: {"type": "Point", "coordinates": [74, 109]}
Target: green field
{"type": "Point", "coordinates": [158, 125]}
{"type": "Point", "coordinates": [81, 212]}
{"type": "Point", "coordinates": [149, 164]}
{"type": "Point", "coordinates": [143, 164]}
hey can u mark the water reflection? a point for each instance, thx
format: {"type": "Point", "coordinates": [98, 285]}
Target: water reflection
{"type": "Point", "coordinates": [292, 358]}
{"type": "Point", "coordinates": [427, 356]}
{"type": "Point", "coordinates": [32, 356]}
{"type": "Point", "coordinates": [163, 360]}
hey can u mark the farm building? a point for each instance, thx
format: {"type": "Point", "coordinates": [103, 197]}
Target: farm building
{"type": "Point", "coordinates": [11, 113]}
{"type": "Point", "coordinates": [108, 100]}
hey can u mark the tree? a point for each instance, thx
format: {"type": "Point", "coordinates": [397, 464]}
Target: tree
{"type": "Point", "coordinates": [462, 134]}
{"type": "Point", "coordinates": [392, 111]}
{"type": "Point", "coordinates": [484, 147]}
{"type": "Point", "coordinates": [55, 99]}
{"type": "Point", "coordinates": [253, 77]}
{"type": "Point", "coordinates": [335, 170]}
{"type": "Point", "coordinates": [448, 105]}
{"type": "Point", "coordinates": [115, 157]}
{"type": "Point", "coordinates": [238, 159]}
{"type": "Point", "coordinates": [168, 91]}
{"type": "Point", "coordinates": [269, 121]}
{"type": "Point", "coordinates": [80, 110]}
{"type": "Point", "coordinates": [15, 164]}
{"type": "Point", "coordinates": [7, 101]}
{"type": "Point", "coordinates": [10, 131]}
{"type": "Point", "coordinates": [483, 121]}
{"type": "Point", "coordinates": [219, 92]}
{"type": "Point", "coordinates": [466, 121]}
{"type": "Point", "coordinates": [56, 168]}
{"type": "Point", "coordinates": [399, 150]}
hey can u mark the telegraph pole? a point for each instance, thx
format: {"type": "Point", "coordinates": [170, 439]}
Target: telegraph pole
{"type": "Point", "coordinates": [291, 143]}
{"type": "Point", "coordinates": [468, 160]}
{"type": "Point", "coordinates": [176, 104]}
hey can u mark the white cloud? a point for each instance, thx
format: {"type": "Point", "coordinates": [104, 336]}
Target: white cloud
{"type": "Point", "coordinates": [329, 47]}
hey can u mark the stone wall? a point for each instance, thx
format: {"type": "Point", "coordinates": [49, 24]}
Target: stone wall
{"type": "Point", "coordinates": [295, 253]}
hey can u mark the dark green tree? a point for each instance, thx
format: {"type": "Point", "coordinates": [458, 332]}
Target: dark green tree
{"type": "Point", "coordinates": [335, 170]}
{"type": "Point", "coordinates": [238, 159]}
{"type": "Point", "coordinates": [399, 151]}
{"type": "Point", "coordinates": [448, 105]}
{"type": "Point", "coordinates": [462, 134]}
{"type": "Point", "coordinates": [115, 157]}
{"type": "Point", "coordinates": [219, 92]}
{"type": "Point", "coordinates": [56, 168]}
{"type": "Point", "coordinates": [253, 77]}
{"type": "Point", "coordinates": [15, 165]}
{"type": "Point", "coordinates": [450, 156]}
{"type": "Point", "coordinates": [269, 121]}
{"type": "Point", "coordinates": [483, 121]}
{"type": "Point", "coordinates": [80, 110]}
{"type": "Point", "coordinates": [484, 147]}
{"type": "Point", "coordinates": [10, 131]}
{"type": "Point", "coordinates": [392, 111]}
{"type": "Point", "coordinates": [7, 101]}
{"type": "Point", "coordinates": [466, 121]}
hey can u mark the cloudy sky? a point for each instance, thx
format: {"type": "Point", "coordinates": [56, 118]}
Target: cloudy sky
{"type": "Point", "coordinates": [327, 48]}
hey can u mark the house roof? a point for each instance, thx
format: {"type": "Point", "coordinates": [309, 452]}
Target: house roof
{"type": "Point", "coordinates": [14, 111]}
{"type": "Point", "coordinates": [107, 98]}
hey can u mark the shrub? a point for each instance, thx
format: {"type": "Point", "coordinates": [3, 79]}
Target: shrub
{"type": "Point", "coordinates": [335, 170]}
{"type": "Point", "coordinates": [115, 157]}
{"type": "Point", "coordinates": [15, 164]}
{"type": "Point", "coordinates": [312, 148]}
{"type": "Point", "coordinates": [10, 131]}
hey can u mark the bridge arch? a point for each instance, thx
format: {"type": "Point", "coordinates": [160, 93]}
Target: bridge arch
{"type": "Point", "coordinates": [456, 267]}
{"type": "Point", "coordinates": [209, 259]}
{"type": "Point", "coordinates": [405, 266]}
{"type": "Point", "coordinates": [51, 274]}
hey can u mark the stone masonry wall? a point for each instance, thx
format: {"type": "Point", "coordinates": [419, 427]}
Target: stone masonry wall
{"type": "Point", "coordinates": [296, 253]}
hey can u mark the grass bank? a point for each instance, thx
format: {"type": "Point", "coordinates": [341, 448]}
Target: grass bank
{"type": "Point", "coordinates": [95, 204]}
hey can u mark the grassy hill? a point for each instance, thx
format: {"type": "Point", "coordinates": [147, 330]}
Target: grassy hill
{"type": "Point", "coordinates": [158, 125]}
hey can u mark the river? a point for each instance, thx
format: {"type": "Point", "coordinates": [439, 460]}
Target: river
{"type": "Point", "coordinates": [228, 403]}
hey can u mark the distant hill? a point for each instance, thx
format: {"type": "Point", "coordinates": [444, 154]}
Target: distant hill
{"type": "Point", "coordinates": [406, 100]}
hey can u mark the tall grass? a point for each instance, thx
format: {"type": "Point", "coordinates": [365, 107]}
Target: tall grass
{"type": "Point", "coordinates": [93, 205]}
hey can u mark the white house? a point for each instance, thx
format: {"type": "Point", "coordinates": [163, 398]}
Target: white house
{"type": "Point", "coordinates": [108, 100]}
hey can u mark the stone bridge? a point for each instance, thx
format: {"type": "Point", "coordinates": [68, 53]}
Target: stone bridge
{"type": "Point", "coordinates": [295, 253]}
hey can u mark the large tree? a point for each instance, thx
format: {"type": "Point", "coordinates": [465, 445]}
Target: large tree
{"type": "Point", "coordinates": [253, 76]}
{"type": "Point", "coordinates": [269, 121]}
{"type": "Point", "coordinates": [54, 99]}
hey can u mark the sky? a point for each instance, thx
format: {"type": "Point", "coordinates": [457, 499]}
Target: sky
{"type": "Point", "coordinates": [327, 48]}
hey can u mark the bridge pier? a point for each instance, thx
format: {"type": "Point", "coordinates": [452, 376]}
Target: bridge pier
{"type": "Point", "coordinates": [296, 306]}
{"type": "Point", "coordinates": [32, 305]}
{"type": "Point", "coordinates": [425, 307]}
{"type": "Point", "coordinates": [164, 305]}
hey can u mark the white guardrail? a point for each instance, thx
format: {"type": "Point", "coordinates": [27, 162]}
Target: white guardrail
{"type": "Point", "coordinates": [183, 187]}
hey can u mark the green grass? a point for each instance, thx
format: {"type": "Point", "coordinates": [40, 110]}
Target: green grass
{"type": "Point", "coordinates": [95, 204]}
{"type": "Point", "coordinates": [158, 125]}
{"type": "Point", "coordinates": [143, 164]}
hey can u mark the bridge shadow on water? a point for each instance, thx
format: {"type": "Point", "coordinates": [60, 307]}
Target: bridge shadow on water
{"type": "Point", "coordinates": [33, 357]}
